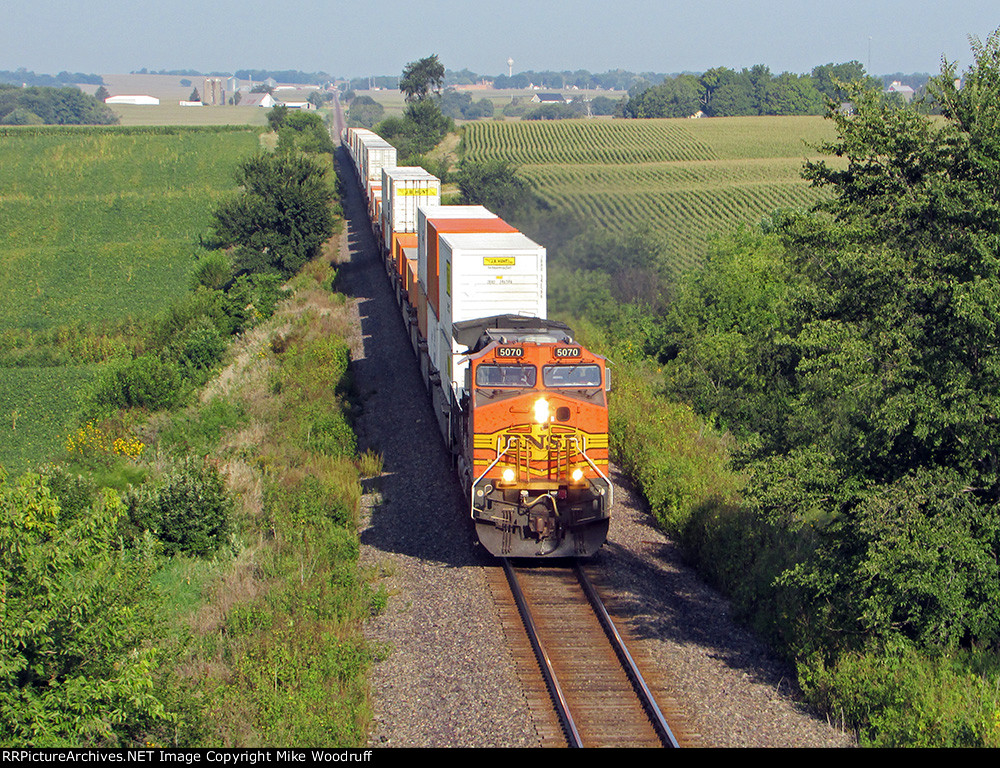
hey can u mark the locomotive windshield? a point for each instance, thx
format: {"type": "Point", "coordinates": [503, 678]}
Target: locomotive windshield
{"type": "Point", "coordinates": [576, 376]}
{"type": "Point", "coordinates": [505, 376]}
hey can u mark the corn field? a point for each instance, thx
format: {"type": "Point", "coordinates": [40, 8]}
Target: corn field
{"type": "Point", "coordinates": [686, 179]}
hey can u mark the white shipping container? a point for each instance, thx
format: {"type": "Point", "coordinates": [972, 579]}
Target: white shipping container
{"type": "Point", "coordinates": [378, 155]}
{"type": "Point", "coordinates": [355, 138]}
{"type": "Point", "coordinates": [403, 191]}
{"type": "Point", "coordinates": [482, 275]}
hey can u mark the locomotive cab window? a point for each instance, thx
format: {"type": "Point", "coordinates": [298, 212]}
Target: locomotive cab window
{"type": "Point", "coordinates": [506, 376]}
{"type": "Point", "coordinates": [574, 376]}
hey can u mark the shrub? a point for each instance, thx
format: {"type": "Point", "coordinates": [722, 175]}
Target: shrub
{"type": "Point", "coordinates": [897, 698]}
{"type": "Point", "coordinates": [213, 270]}
{"type": "Point", "coordinates": [203, 346]}
{"type": "Point", "coordinates": [144, 382]}
{"type": "Point", "coordinates": [188, 510]}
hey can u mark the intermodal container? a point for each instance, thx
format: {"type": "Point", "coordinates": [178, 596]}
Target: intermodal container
{"type": "Point", "coordinates": [403, 191]}
{"type": "Point", "coordinates": [484, 275]}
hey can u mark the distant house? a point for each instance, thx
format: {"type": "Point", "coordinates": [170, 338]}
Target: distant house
{"type": "Point", "coordinates": [548, 98]}
{"type": "Point", "coordinates": [299, 104]}
{"type": "Point", "coordinates": [265, 100]}
{"type": "Point", "coordinates": [903, 90]}
{"type": "Point", "coordinates": [148, 100]}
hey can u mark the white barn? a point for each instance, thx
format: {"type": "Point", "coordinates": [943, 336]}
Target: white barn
{"type": "Point", "coordinates": [148, 100]}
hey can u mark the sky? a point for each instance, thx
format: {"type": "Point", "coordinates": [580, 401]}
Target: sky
{"type": "Point", "coordinates": [379, 37]}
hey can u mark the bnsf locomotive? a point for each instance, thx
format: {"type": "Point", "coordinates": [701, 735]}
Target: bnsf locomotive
{"type": "Point", "coordinates": [522, 407]}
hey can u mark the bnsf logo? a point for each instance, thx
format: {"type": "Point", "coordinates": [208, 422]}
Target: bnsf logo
{"type": "Point", "coordinates": [510, 352]}
{"type": "Point", "coordinates": [567, 352]}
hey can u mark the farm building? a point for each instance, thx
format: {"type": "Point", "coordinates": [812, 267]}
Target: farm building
{"type": "Point", "coordinates": [903, 90]}
{"type": "Point", "coordinates": [548, 98]}
{"type": "Point", "coordinates": [148, 100]}
{"type": "Point", "coordinates": [265, 100]}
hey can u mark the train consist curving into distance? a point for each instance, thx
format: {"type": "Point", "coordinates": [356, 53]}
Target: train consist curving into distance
{"type": "Point", "coordinates": [521, 406]}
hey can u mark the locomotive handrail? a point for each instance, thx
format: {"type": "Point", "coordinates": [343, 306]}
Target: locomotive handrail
{"type": "Point", "coordinates": [590, 460]}
{"type": "Point", "coordinates": [475, 482]}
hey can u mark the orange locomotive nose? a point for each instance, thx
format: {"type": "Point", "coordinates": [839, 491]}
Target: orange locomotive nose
{"type": "Point", "coordinates": [539, 432]}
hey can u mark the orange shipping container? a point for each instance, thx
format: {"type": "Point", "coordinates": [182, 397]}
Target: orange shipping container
{"type": "Point", "coordinates": [401, 241]}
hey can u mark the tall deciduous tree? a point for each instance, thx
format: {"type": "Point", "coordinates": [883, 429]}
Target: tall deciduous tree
{"type": "Point", "coordinates": [422, 77]}
{"type": "Point", "coordinates": [281, 218]}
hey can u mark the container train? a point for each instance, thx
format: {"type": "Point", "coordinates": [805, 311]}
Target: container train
{"type": "Point", "coordinates": [521, 406]}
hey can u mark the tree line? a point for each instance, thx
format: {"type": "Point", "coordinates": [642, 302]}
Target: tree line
{"type": "Point", "coordinates": [22, 76]}
{"type": "Point", "coordinates": [52, 106]}
{"type": "Point", "coordinates": [723, 92]}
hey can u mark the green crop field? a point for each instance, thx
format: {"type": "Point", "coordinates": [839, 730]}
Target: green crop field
{"type": "Point", "coordinates": [174, 114]}
{"type": "Point", "coordinates": [685, 179]}
{"type": "Point", "coordinates": [104, 223]}
{"type": "Point", "coordinates": [36, 411]}
{"type": "Point", "coordinates": [98, 224]}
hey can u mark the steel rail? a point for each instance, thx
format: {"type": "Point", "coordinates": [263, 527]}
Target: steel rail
{"type": "Point", "coordinates": [656, 717]}
{"type": "Point", "coordinates": [561, 705]}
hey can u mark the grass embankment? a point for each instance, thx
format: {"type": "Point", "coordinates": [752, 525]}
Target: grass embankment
{"type": "Point", "coordinates": [275, 654]}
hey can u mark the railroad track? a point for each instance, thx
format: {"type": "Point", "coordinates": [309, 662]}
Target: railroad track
{"type": "Point", "coordinates": [595, 688]}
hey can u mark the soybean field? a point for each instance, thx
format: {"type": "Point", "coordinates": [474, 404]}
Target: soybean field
{"type": "Point", "coordinates": [684, 179]}
{"type": "Point", "coordinates": [103, 224]}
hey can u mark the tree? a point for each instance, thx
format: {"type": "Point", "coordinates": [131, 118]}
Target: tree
{"type": "Point", "coordinates": [282, 217]}
{"type": "Point", "coordinates": [494, 184]}
{"type": "Point", "coordinates": [421, 128]}
{"type": "Point", "coordinates": [76, 615]}
{"type": "Point", "coordinates": [677, 97]}
{"type": "Point", "coordinates": [305, 132]}
{"type": "Point", "coordinates": [57, 106]}
{"type": "Point", "coordinates": [832, 79]}
{"type": "Point", "coordinates": [195, 96]}
{"type": "Point", "coordinates": [101, 93]}
{"type": "Point", "coordinates": [276, 117]}
{"type": "Point", "coordinates": [364, 112]}
{"type": "Point", "coordinates": [421, 77]}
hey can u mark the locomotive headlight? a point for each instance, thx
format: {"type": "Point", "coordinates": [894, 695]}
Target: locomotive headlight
{"type": "Point", "coordinates": [508, 475]}
{"type": "Point", "coordinates": [542, 410]}
{"type": "Point", "coordinates": [577, 475]}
